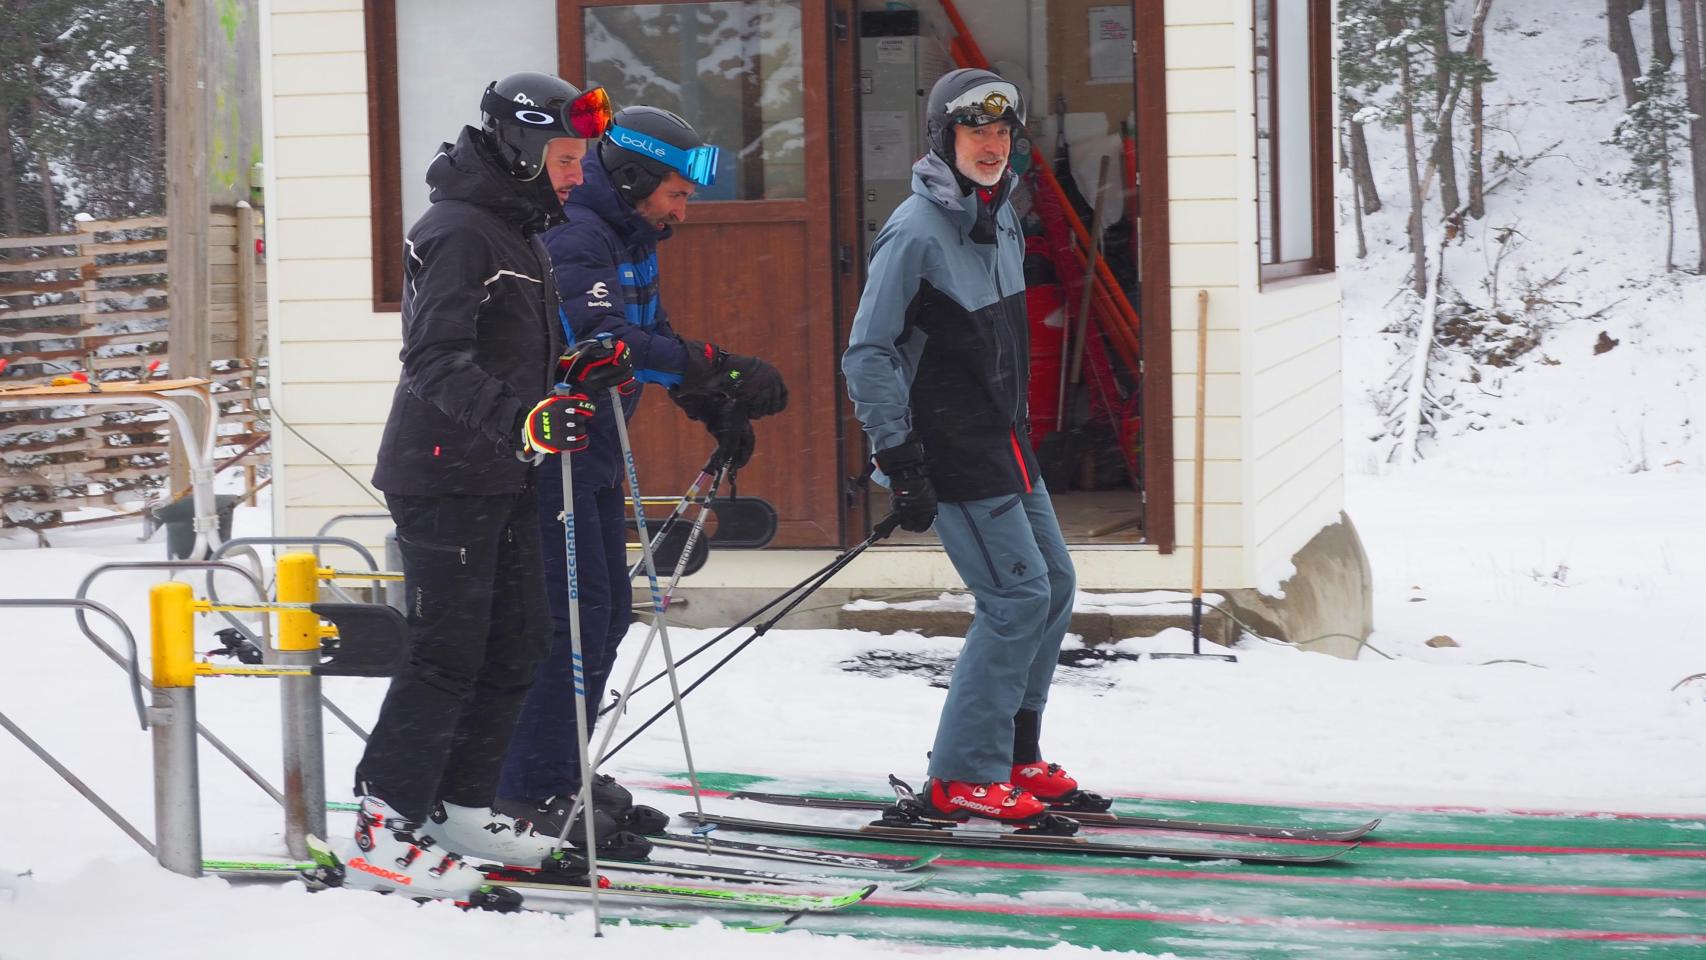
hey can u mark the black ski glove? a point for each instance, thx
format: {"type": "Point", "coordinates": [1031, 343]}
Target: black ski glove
{"type": "Point", "coordinates": [909, 483]}
{"type": "Point", "coordinates": [595, 365]}
{"type": "Point", "coordinates": [755, 386]}
{"type": "Point", "coordinates": [727, 425]}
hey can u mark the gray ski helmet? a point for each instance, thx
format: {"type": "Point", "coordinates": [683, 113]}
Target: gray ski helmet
{"type": "Point", "coordinates": [525, 111]}
{"type": "Point", "coordinates": [636, 170]}
{"type": "Point", "coordinates": [969, 97]}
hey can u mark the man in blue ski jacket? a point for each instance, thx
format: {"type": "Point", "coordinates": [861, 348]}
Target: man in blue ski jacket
{"type": "Point", "coordinates": [938, 366]}
{"type": "Point", "coordinates": [637, 183]}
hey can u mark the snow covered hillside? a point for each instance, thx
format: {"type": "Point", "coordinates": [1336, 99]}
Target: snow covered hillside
{"type": "Point", "coordinates": [1566, 257]}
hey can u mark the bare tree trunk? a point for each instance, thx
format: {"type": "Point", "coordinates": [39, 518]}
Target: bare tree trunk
{"type": "Point", "coordinates": [1362, 170]}
{"type": "Point", "coordinates": [157, 120]}
{"type": "Point", "coordinates": [1445, 151]}
{"type": "Point", "coordinates": [1478, 117]}
{"type": "Point", "coordinates": [1622, 41]}
{"type": "Point", "coordinates": [49, 199]}
{"type": "Point", "coordinates": [1667, 191]}
{"type": "Point", "coordinates": [1662, 51]}
{"type": "Point", "coordinates": [1696, 89]}
{"type": "Point", "coordinates": [1418, 251]}
{"type": "Point", "coordinates": [11, 224]}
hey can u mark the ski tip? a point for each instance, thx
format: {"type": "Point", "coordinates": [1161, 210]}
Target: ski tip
{"type": "Point", "coordinates": [865, 893]}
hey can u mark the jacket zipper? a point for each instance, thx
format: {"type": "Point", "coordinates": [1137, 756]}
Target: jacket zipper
{"type": "Point", "coordinates": [1019, 457]}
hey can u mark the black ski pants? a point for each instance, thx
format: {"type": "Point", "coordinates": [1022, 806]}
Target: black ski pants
{"type": "Point", "coordinates": [477, 631]}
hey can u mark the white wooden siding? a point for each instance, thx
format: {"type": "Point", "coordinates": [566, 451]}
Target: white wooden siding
{"type": "Point", "coordinates": [1204, 123]}
{"type": "Point", "coordinates": [335, 359]}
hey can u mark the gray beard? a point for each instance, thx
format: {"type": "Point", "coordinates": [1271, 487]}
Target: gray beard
{"type": "Point", "coordinates": [972, 173]}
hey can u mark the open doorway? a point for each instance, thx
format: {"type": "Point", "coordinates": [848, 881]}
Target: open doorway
{"type": "Point", "coordinates": [1077, 198]}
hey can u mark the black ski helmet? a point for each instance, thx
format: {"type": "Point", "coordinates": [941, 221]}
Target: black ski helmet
{"type": "Point", "coordinates": [525, 111]}
{"type": "Point", "coordinates": [645, 144]}
{"type": "Point", "coordinates": [969, 97]}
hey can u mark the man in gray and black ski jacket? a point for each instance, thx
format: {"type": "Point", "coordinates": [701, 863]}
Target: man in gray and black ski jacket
{"type": "Point", "coordinates": [938, 368]}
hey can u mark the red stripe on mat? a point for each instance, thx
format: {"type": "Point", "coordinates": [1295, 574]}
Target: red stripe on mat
{"type": "Point", "coordinates": [1663, 893]}
{"type": "Point", "coordinates": [1317, 923]}
{"type": "Point", "coordinates": [1411, 808]}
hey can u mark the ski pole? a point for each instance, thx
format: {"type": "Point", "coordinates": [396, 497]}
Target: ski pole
{"type": "Point", "coordinates": [693, 535]}
{"type": "Point", "coordinates": [659, 606]}
{"type": "Point", "coordinates": [584, 798]}
{"type": "Point", "coordinates": [728, 631]}
{"type": "Point", "coordinates": [883, 528]}
{"type": "Point", "coordinates": [712, 470]}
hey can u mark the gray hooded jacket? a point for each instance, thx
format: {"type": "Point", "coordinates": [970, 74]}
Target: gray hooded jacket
{"type": "Point", "coordinates": [940, 350]}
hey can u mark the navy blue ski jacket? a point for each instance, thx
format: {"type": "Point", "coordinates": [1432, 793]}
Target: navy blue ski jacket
{"type": "Point", "coordinates": [605, 262]}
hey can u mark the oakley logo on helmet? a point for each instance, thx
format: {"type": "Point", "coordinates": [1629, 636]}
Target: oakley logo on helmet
{"type": "Point", "coordinates": [627, 139]}
{"type": "Point", "coordinates": [536, 118]}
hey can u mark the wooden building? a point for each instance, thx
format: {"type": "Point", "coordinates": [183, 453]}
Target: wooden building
{"type": "Point", "coordinates": [1217, 117]}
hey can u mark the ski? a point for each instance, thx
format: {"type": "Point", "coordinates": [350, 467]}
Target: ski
{"type": "Point", "coordinates": [1096, 819]}
{"type": "Point", "coordinates": [510, 885]}
{"type": "Point", "coordinates": [532, 881]}
{"type": "Point", "coordinates": [712, 871]}
{"type": "Point", "coordinates": [960, 837]}
{"type": "Point", "coordinates": [881, 863]}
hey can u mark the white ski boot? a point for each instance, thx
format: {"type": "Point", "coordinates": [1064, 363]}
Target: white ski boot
{"type": "Point", "coordinates": [389, 854]}
{"type": "Point", "coordinates": [486, 834]}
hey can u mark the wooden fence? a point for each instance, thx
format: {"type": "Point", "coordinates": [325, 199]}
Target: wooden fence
{"type": "Point", "coordinates": [94, 302]}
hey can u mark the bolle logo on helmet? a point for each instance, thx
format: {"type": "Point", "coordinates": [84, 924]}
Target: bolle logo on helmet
{"type": "Point", "coordinates": [626, 139]}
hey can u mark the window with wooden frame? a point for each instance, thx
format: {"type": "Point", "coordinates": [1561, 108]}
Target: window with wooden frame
{"type": "Point", "coordinates": [1294, 137]}
{"type": "Point", "coordinates": [405, 54]}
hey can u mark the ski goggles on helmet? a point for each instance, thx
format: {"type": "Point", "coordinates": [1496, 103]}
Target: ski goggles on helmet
{"type": "Point", "coordinates": [698, 164]}
{"type": "Point", "coordinates": [987, 103]}
{"type": "Point", "coordinates": [586, 116]}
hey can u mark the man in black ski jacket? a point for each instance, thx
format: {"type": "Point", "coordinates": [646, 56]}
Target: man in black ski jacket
{"type": "Point", "coordinates": [473, 411]}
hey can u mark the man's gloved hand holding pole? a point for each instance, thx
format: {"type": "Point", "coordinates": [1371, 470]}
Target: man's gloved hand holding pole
{"type": "Point", "coordinates": [724, 421]}
{"type": "Point", "coordinates": [597, 364]}
{"type": "Point", "coordinates": [557, 424]}
{"type": "Point", "coordinates": [909, 482]}
{"type": "Point", "coordinates": [754, 385]}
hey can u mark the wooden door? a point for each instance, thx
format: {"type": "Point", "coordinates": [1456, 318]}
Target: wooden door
{"type": "Point", "coordinates": [752, 268]}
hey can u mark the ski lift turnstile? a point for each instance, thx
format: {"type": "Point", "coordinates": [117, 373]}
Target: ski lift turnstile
{"type": "Point", "coordinates": [363, 639]}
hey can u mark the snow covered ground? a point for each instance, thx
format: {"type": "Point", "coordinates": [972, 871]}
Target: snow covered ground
{"type": "Point", "coordinates": [1559, 544]}
{"type": "Point", "coordinates": [1586, 590]}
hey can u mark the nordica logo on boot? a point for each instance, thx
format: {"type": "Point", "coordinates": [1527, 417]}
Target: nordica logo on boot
{"type": "Point", "coordinates": [960, 801]}
{"type": "Point", "coordinates": [360, 863]}
{"type": "Point", "coordinates": [1033, 772]}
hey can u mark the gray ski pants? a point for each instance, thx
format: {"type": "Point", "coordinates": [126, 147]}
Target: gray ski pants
{"type": "Point", "coordinates": [1010, 553]}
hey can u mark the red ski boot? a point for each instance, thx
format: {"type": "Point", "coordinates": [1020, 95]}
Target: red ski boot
{"type": "Point", "coordinates": [1055, 787]}
{"type": "Point", "coordinates": [1002, 802]}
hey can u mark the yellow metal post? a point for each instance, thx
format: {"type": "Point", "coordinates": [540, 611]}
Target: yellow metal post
{"type": "Point", "coordinates": [298, 643]}
{"type": "Point", "coordinates": [171, 608]}
{"type": "Point", "coordinates": [177, 793]}
{"type": "Point", "coordinates": [298, 582]}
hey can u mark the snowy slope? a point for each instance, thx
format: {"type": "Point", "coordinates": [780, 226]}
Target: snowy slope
{"type": "Point", "coordinates": [1583, 258]}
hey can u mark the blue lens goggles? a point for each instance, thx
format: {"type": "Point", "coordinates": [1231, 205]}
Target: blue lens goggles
{"type": "Point", "coordinates": [698, 164]}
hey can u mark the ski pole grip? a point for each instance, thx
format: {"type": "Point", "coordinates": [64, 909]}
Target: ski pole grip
{"type": "Point", "coordinates": [886, 526]}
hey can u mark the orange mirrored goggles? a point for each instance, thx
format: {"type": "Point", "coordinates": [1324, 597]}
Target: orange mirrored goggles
{"type": "Point", "coordinates": [589, 114]}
